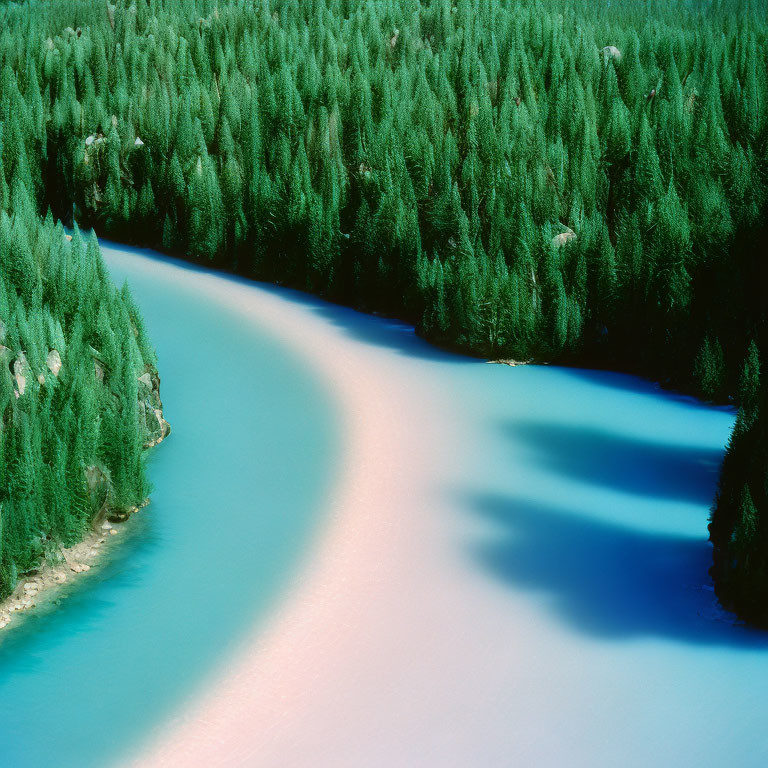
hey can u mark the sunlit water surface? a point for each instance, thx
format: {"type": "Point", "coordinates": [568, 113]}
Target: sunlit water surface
{"type": "Point", "coordinates": [580, 497]}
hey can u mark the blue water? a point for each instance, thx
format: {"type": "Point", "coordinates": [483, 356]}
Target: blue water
{"type": "Point", "coordinates": [577, 500]}
{"type": "Point", "coordinates": [588, 507]}
{"type": "Point", "coordinates": [576, 505]}
{"type": "Point", "coordinates": [239, 489]}
{"type": "Point", "coordinates": [602, 510]}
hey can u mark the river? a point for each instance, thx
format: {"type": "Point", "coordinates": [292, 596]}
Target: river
{"type": "Point", "coordinates": [545, 599]}
{"type": "Point", "coordinates": [238, 492]}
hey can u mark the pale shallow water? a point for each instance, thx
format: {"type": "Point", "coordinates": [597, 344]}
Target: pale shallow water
{"type": "Point", "coordinates": [574, 509]}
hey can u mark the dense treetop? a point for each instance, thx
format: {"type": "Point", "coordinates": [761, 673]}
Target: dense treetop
{"type": "Point", "coordinates": [529, 179]}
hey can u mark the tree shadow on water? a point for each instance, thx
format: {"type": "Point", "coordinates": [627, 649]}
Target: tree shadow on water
{"type": "Point", "coordinates": [383, 332]}
{"type": "Point", "coordinates": [388, 333]}
{"type": "Point", "coordinates": [604, 579]}
{"type": "Point", "coordinates": [636, 384]}
{"type": "Point", "coordinates": [619, 462]}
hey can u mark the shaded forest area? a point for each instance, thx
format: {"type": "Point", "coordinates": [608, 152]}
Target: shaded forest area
{"type": "Point", "coordinates": [575, 182]}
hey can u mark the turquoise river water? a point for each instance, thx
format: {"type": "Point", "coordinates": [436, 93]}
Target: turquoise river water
{"type": "Point", "coordinates": [238, 488]}
{"type": "Point", "coordinates": [584, 498]}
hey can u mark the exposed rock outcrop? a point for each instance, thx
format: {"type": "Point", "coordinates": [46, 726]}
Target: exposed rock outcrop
{"type": "Point", "coordinates": [510, 362]}
{"type": "Point", "coordinates": [22, 373]}
{"type": "Point", "coordinates": [53, 361]}
{"type": "Point", "coordinates": [558, 241]}
{"type": "Point", "coordinates": [156, 428]}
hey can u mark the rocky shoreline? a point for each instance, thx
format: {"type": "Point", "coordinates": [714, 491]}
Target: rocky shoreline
{"type": "Point", "coordinates": [72, 561]}
{"type": "Point", "coordinates": [510, 362]}
{"type": "Point", "coordinates": [69, 562]}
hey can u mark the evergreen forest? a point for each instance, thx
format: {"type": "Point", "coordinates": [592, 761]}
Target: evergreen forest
{"type": "Point", "coordinates": [78, 389]}
{"type": "Point", "coordinates": [576, 182]}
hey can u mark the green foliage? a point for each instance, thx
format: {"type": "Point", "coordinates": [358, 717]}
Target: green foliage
{"type": "Point", "coordinates": [55, 425]}
{"type": "Point", "coordinates": [58, 427]}
{"type": "Point", "coordinates": [347, 149]}
{"type": "Point", "coordinates": [709, 369]}
{"type": "Point", "coordinates": [739, 523]}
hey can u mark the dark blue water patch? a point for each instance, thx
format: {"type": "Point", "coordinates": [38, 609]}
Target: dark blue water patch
{"type": "Point", "coordinates": [603, 578]}
{"type": "Point", "coordinates": [597, 487]}
{"type": "Point", "coordinates": [628, 463]}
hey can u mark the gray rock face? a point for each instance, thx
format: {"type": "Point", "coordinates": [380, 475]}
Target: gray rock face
{"type": "Point", "coordinates": [22, 373]}
{"type": "Point", "coordinates": [156, 428]}
{"type": "Point", "coordinates": [560, 240]}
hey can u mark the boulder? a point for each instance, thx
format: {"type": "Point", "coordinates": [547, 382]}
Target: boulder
{"type": "Point", "coordinates": [53, 361]}
{"type": "Point", "coordinates": [21, 372]}
{"type": "Point", "coordinates": [558, 241]}
{"type": "Point", "coordinates": [95, 477]}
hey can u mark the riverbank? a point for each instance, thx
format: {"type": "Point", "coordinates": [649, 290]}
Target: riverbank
{"type": "Point", "coordinates": [40, 585]}
{"type": "Point", "coordinates": [64, 563]}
